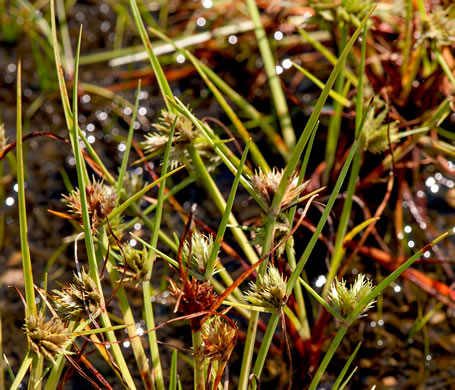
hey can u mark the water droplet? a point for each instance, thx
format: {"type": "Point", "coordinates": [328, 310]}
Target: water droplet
{"type": "Point", "coordinates": [121, 147]}
{"type": "Point", "coordinates": [207, 3]}
{"type": "Point", "coordinates": [139, 171]}
{"type": "Point", "coordinates": [278, 35]}
{"type": "Point", "coordinates": [90, 127]}
{"type": "Point", "coordinates": [137, 226]}
{"type": "Point", "coordinates": [16, 187]}
{"type": "Point", "coordinates": [180, 58]}
{"type": "Point", "coordinates": [434, 188]}
{"type": "Point", "coordinates": [411, 244]}
{"type": "Point", "coordinates": [232, 39]}
{"type": "Point", "coordinates": [133, 242]}
{"type": "Point", "coordinates": [105, 26]}
{"type": "Point", "coordinates": [9, 201]}
{"type": "Point", "coordinates": [373, 324]}
{"type": "Point", "coordinates": [320, 281]}
{"type": "Point", "coordinates": [381, 322]}
{"type": "Point", "coordinates": [126, 344]}
{"type": "Point", "coordinates": [85, 98]}
{"type": "Point", "coordinates": [428, 357]}
{"type": "Point", "coordinates": [11, 68]}
{"type": "Point", "coordinates": [287, 63]}
{"type": "Point", "coordinates": [279, 69]}
{"type": "Point", "coordinates": [407, 229]}
{"type": "Point", "coordinates": [136, 125]}
{"type": "Point", "coordinates": [380, 342]}
{"type": "Point", "coordinates": [427, 254]}
{"type": "Point", "coordinates": [142, 111]}
{"type": "Point", "coordinates": [438, 176]}
{"type": "Point", "coordinates": [91, 139]}
{"type": "Point", "coordinates": [104, 8]}
{"type": "Point", "coordinates": [201, 21]}
{"type": "Point", "coordinates": [397, 289]}
{"type": "Point", "coordinates": [127, 111]}
{"type": "Point", "coordinates": [400, 236]}
{"type": "Point", "coordinates": [420, 194]}
{"type": "Point", "coordinates": [430, 181]}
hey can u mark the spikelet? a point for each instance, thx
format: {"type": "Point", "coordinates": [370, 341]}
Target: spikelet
{"type": "Point", "coordinates": [270, 289]}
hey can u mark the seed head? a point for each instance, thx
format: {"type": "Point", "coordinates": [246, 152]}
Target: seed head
{"type": "Point", "coordinates": [137, 265]}
{"type": "Point", "coordinates": [266, 185]}
{"type": "Point", "coordinates": [201, 246]}
{"type": "Point", "coordinates": [218, 339]}
{"type": "Point", "coordinates": [270, 289]}
{"type": "Point", "coordinates": [46, 338]}
{"type": "Point", "coordinates": [345, 300]}
{"type": "Point", "coordinates": [185, 135]}
{"type": "Point", "coordinates": [100, 202]}
{"type": "Point", "coordinates": [71, 303]}
{"type": "Point", "coordinates": [193, 297]}
{"type": "Point", "coordinates": [376, 133]}
{"type": "Point", "coordinates": [439, 26]}
{"type": "Point", "coordinates": [3, 137]}
{"type": "Point", "coordinates": [349, 11]}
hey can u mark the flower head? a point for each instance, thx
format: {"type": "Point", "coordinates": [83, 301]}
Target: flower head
{"type": "Point", "coordinates": [3, 137]}
{"type": "Point", "coordinates": [185, 135]}
{"type": "Point", "coordinates": [218, 339]}
{"type": "Point", "coordinates": [439, 26]}
{"type": "Point", "coordinates": [100, 202]}
{"type": "Point", "coordinates": [72, 302]}
{"type": "Point", "coordinates": [46, 338]}
{"type": "Point", "coordinates": [266, 185]}
{"type": "Point", "coordinates": [201, 247]}
{"type": "Point", "coordinates": [349, 11]}
{"type": "Point", "coordinates": [137, 265]}
{"type": "Point", "coordinates": [270, 289]}
{"type": "Point", "coordinates": [376, 133]}
{"type": "Point", "coordinates": [345, 300]}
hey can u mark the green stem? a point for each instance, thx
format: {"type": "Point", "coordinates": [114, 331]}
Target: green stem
{"type": "Point", "coordinates": [328, 356]}
{"type": "Point", "coordinates": [199, 383]}
{"type": "Point", "coordinates": [335, 120]}
{"type": "Point", "coordinates": [265, 345]}
{"type": "Point", "coordinates": [444, 66]}
{"type": "Point", "coordinates": [278, 97]}
{"type": "Point", "coordinates": [22, 371]}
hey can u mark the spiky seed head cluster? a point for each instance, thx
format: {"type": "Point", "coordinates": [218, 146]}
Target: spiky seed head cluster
{"type": "Point", "coordinates": [376, 132]}
{"type": "Point", "coordinates": [269, 290]}
{"type": "Point", "coordinates": [266, 185]}
{"type": "Point", "coordinates": [3, 137]}
{"type": "Point", "coordinates": [201, 247]}
{"type": "Point", "coordinates": [100, 202]}
{"type": "Point", "coordinates": [345, 300]}
{"type": "Point", "coordinates": [46, 338]}
{"type": "Point", "coordinates": [349, 11]}
{"type": "Point", "coordinates": [71, 303]}
{"type": "Point", "coordinates": [439, 26]}
{"type": "Point", "coordinates": [137, 265]}
{"type": "Point", "coordinates": [185, 135]}
{"type": "Point", "coordinates": [218, 339]}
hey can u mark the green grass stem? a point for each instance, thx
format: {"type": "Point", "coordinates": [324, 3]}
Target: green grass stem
{"type": "Point", "coordinates": [278, 97]}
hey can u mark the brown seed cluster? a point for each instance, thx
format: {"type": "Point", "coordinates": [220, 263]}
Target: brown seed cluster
{"type": "Point", "coordinates": [100, 202]}
{"type": "Point", "coordinates": [194, 297]}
